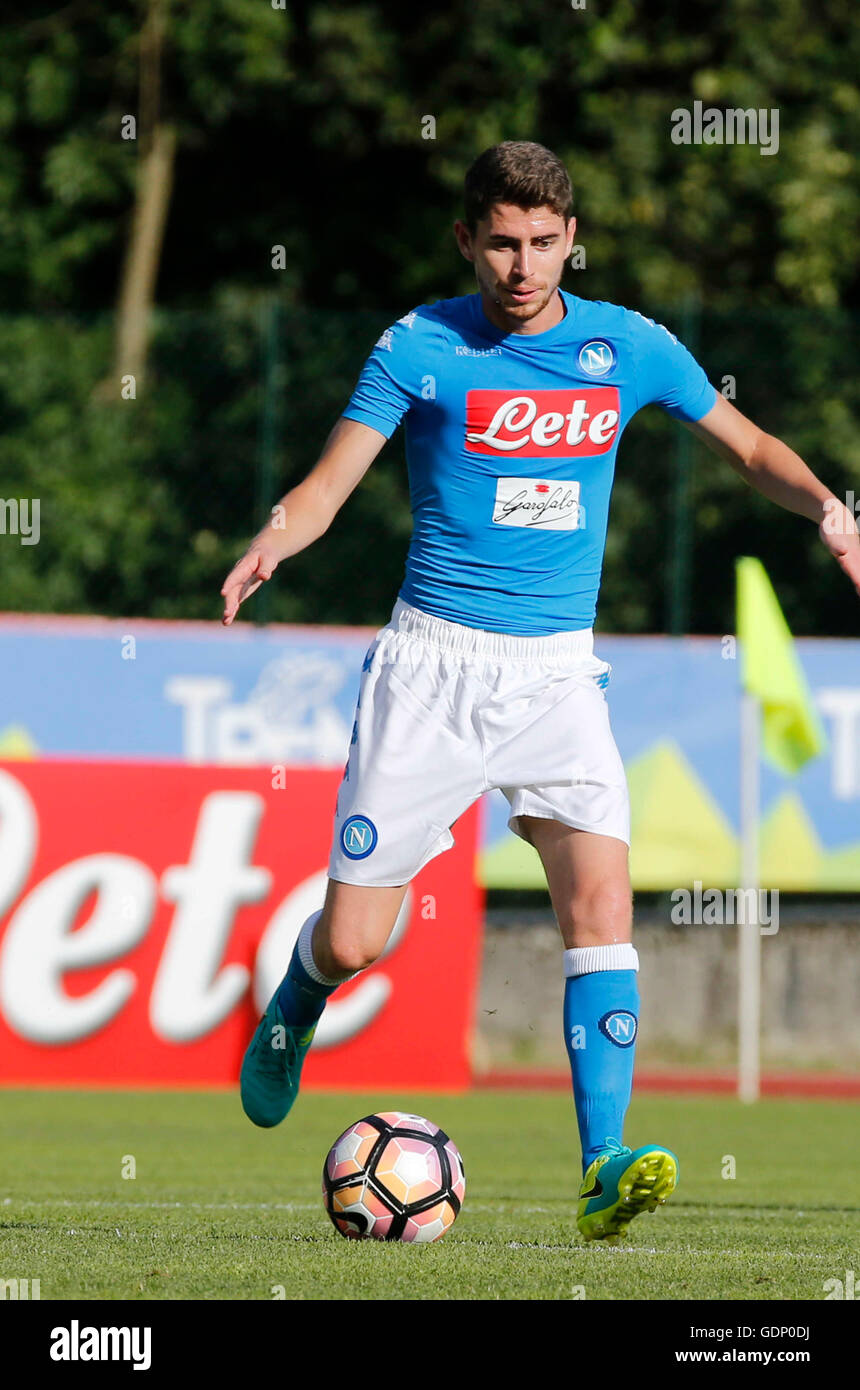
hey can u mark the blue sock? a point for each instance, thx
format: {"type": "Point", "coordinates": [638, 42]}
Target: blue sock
{"type": "Point", "coordinates": [302, 995]}
{"type": "Point", "coordinates": [601, 1019]}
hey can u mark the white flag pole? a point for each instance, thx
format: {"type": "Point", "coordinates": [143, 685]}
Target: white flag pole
{"type": "Point", "coordinates": [749, 934]}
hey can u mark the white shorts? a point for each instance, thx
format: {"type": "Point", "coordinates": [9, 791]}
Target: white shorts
{"type": "Point", "coordinates": [446, 713]}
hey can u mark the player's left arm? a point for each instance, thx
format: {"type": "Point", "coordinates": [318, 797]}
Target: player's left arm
{"type": "Point", "coordinates": [777, 472]}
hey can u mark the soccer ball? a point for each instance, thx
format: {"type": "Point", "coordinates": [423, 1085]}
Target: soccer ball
{"type": "Point", "coordinates": [393, 1177]}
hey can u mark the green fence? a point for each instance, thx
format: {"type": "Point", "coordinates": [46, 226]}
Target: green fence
{"type": "Point", "coordinates": [145, 503]}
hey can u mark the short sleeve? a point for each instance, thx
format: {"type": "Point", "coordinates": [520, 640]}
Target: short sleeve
{"type": "Point", "coordinates": [385, 390]}
{"type": "Point", "coordinates": [667, 374]}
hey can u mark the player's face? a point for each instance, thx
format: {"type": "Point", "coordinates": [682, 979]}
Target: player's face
{"type": "Point", "coordinates": [519, 256]}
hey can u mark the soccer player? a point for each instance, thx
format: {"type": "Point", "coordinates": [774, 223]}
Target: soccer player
{"type": "Point", "coordinates": [514, 401]}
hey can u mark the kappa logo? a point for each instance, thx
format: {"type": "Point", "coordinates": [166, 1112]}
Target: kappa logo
{"type": "Point", "coordinates": [645, 319]}
{"type": "Point", "coordinates": [462, 351]}
{"type": "Point", "coordinates": [540, 424]}
{"type": "Point", "coordinates": [619, 1027]}
{"type": "Point", "coordinates": [597, 358]}
{"type": "Point", "coordinates": [358, 837]}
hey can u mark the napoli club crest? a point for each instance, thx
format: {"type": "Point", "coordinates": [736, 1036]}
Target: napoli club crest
{"type": "Point", "coordinates": [358, 837]}
{"type": "Point", "coordinates": [597, 358]}
{"type": "Point", "coordinates": [619, 1027]}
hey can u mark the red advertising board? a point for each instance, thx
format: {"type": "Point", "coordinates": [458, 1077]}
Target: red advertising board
{"type": "Point", "coordinates": [147, 912]}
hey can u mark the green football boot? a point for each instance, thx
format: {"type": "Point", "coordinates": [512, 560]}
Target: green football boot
{"type": "Point", "coordinates": [620, 1184]}
{"type": "Point", "coordinates": [272, 1067]}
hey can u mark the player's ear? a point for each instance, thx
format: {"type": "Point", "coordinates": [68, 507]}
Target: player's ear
{"type": "Point", "coordinates": [571, 233]}
{"type": "Point", "coordinates": [464, 240]}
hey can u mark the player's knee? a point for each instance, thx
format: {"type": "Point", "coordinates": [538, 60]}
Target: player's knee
{"type": "Point", "coordinates": [602, 909]}
{"type": "Point", "coordinates": [345, 957]}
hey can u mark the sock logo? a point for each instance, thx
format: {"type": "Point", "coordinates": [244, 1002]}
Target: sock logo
{"type": "Point", "coordinates": [620, 1027]}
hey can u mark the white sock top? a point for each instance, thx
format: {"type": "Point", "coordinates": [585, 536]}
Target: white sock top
{"type": "Point", "coordinates": [585, 960]}
{"type": "Point", "coordinates": [306, 955]}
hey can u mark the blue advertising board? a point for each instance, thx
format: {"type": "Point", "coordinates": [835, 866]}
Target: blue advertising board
{"type": "Point", "coordinates": [285, 695]}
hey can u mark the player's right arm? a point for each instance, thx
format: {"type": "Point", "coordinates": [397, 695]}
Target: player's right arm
{"type": "Point", "coordinates": [306, 511]}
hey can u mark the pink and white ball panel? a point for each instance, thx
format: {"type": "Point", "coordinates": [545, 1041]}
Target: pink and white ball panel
{"type": "Point", "coordinates": [348, 1155]}
{"type": "Point", "coordinates": [358, 1212]}
{"type": "Point", "coordinates": [410, 1169]}
{"type": "Point", "coordinates": [431, 1224]}
{"type": "Point", "coordinates": [399, 1119]}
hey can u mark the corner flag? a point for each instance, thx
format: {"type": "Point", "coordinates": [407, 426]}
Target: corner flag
{"type": "Point", "coordinates": [776, 703]}
{"type": "Point", "coordinates": [771, 671]}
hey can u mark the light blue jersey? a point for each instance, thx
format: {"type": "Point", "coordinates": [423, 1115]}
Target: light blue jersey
{"type": "Point", "coordinates": [510, 443]}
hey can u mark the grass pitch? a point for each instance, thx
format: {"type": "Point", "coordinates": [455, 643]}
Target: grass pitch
{"type": "Point", "coordinates": [220, 1210]}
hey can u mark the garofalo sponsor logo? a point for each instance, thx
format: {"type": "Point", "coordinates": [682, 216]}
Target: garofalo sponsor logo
{"type": "Point", "coordinates": [76, 1343]}
{"type": "Point", "coordinates": [538, 502]}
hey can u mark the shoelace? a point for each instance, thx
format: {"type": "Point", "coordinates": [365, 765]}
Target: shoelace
{"type": "Point", "coordinates": [614, 1146]}
{"type": "Point", "coordinates": [276, 1056]}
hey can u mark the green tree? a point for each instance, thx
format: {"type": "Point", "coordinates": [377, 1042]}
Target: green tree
{"type": "Point", "coordinates": [304, 128]}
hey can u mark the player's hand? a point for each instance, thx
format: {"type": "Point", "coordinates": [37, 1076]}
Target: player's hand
{"type": "Point", "coordinates": [256, 566]}
{"type": "Point", "coordinates": [838, 531]}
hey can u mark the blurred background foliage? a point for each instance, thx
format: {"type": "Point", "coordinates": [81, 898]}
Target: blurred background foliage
{"type": "Point", "coordinates": [303, 127]}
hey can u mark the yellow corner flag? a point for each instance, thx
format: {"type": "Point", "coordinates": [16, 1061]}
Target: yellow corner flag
{"type": "Point", "coordinates": [770, 670]}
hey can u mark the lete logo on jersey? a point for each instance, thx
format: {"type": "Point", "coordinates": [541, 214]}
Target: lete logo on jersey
{"type": "Point", "coordinates": [540, 424]}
